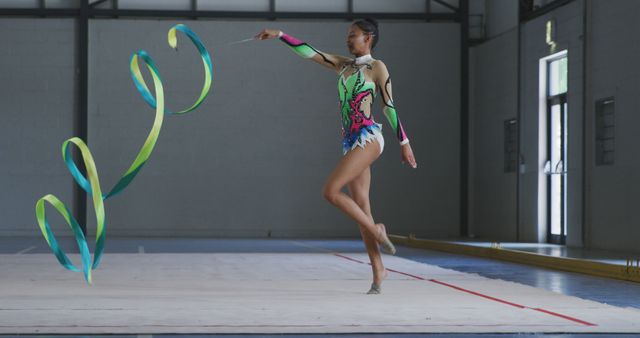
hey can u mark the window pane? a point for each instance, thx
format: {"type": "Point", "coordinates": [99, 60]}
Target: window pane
{"type": "Point", "coordinates": [62, 3]}
{"type": "Point", "coordinates": [556, 166]}
{"type": "Point", "coordinates": [155, 5]}
{"type": "Point", "coordinates": [19, 4]}
{"type": "Point", "coordinates": [558, 76]}
{"type": "Point", "coordinates": [510, 145]}
{"type": "Point", "coordinates": [605, 131]}
{"type": "Point", "coordinates": [386, 6]}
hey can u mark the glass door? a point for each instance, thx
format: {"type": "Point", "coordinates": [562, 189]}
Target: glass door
{"type": "Point", "coordinates": [556, 164]}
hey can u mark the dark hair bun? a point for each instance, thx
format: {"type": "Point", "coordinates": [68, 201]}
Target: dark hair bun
{"type": "Point", "coordinates": [372, 21]}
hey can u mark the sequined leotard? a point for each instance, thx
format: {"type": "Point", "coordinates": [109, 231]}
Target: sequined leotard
{"type": "Point", "coordinates": [356, 95]}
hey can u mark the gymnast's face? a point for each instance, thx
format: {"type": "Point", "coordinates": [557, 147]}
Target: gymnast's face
{"type": "Point", "coordinates": [358, 42]}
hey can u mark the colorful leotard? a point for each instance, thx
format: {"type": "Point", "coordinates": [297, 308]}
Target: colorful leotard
{"type": "Point", "coordinates": [391, 114]}
{"type": "Point", "coordinates": [358, 127]}
{"type": "Point", "coordinates": [297, 46]}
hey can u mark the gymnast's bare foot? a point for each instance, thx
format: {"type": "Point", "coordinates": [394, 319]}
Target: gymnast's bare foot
{"type": "Point", "coordinates": [385, 242]}
{"type": "Point", "coordinates": [376, 286]}
{"type": "Point", "coordinates": [379, 276]}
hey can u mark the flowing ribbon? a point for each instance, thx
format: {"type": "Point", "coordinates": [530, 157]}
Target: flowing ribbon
{"type": "Point", "coordinates": [91, 183]}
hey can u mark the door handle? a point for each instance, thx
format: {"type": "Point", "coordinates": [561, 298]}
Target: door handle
{"type": "Point", "coordinates": [555, 169]}
{"type": "Point", "coordinates": [547, 168]}
{"type": "Point", "coordinates": [561, 171]}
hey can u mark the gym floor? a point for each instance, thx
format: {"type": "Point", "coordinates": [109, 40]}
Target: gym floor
{"type": "Point", "coordinates": [148, 286]}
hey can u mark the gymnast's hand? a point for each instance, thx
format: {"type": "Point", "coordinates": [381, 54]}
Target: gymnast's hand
{"type": "Point", "coordinates": [407, 156]}
{"type": "Point", "coordinates": [267, 34]}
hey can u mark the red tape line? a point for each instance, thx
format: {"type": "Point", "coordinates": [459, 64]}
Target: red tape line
{"type": "Point", "coordinates": [476, 293]}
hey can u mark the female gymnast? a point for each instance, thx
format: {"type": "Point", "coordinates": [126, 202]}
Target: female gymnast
{"type": "Point", "coordinates": [358, 80]}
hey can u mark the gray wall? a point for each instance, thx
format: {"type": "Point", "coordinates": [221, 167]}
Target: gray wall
{"type": "Point", "coordinates": [205, 179]}
{"type": "Point", "coordinates": [493, 205]}
{"type": "Point", "coordinates": [490, 18]}
{"type": "Point", "coordinates": [495, 63]}
{"type": "Point", "coordinates": [492, 191]}
{"type": "Point", "coordinates": [611, 70]}
{"type": "Point", "coordinates": [37, 95]}
{"type": "Point", "coordinates": [501, 17]}
{"type": "Point", "coordinates": [493, 97]}
{"type": "Point", "coordinates": [614, 191]}
{"type": "Point", "coordinates": [254, 157]}
{"type": "Point", "coordinates": [569, 30]}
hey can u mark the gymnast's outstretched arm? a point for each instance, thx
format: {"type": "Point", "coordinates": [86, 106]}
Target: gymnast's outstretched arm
{"type": "Point", "coordinates": [383, 82]}
{"type": "Point", "coordinates": [303, 49]}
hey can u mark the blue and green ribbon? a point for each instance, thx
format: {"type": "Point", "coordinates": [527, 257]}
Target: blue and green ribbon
{"type": "Point", "coordinates": [91, 183]}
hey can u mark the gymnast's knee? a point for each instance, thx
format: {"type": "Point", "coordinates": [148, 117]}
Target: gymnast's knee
{"type": "Point", "coordinates": [330, 194]}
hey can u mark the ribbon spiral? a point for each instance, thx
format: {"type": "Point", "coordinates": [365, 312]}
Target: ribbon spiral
{"type": "Point", "coordinates": [91, 183]}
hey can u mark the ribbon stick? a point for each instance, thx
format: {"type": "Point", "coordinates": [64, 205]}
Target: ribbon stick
{"type": "Point", "coordinates": [91, 183]}
{"type": "Point", "coordinates": [241, 41]}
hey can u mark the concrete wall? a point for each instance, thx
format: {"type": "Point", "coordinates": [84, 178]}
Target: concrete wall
{"type": "Point", "coordinates": [569, 30]}
{"type": "Point", "coordinates": [206, 177]}
{"type": "Point", "coordinates": [492, 191]}
{"type": "Point", "coordinates": [489, 19]}
{"type": "Point", "coordinates": [614, 191]}
{"type": "Point", "coordinates": [493, 91]}
{"type": "Point", "coordinates": [612, 70]}
{"type": "Point", "coordinates": [495, 99]}
{"type": "Point", "coordinates": [501, 17]}
{"type": "Point", "coordinates": [37, 97]}
{"type": "Point", "coordinates": [252, 160]}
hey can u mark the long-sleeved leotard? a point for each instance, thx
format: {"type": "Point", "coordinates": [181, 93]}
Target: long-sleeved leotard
{"type": "Point", "coordinates": [356, 92]}
{"type": "Point", "coordinates": [389, 109]}
{"type": "Point", "coordinates": [356, 95]}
